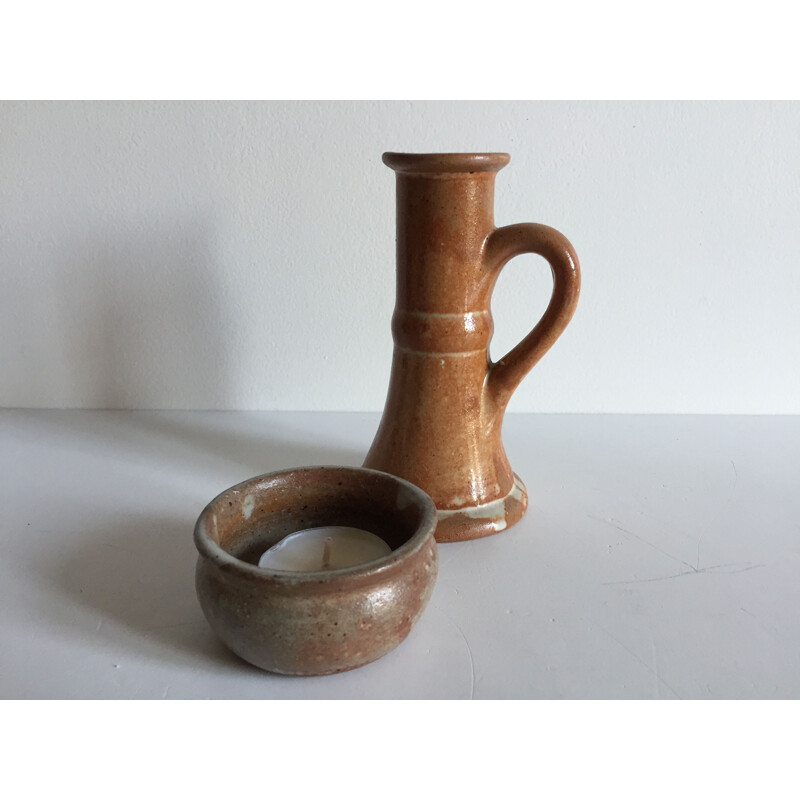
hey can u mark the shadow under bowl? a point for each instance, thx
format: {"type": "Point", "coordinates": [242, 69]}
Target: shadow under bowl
{"type": "Point", "coordinates": [322, 622]}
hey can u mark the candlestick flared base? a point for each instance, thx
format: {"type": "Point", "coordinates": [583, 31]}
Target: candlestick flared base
{"type": "Point", "coordinates": [458, 525]}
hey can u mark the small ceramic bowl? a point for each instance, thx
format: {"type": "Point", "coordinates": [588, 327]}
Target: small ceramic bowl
{"type": "Point", "coordinates": [315, 623]}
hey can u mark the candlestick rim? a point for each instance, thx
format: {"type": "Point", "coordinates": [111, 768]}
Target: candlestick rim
{"type": "Point", "coordinates": [439, 163]}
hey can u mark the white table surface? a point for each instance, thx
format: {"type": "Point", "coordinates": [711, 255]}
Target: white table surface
{"type": "Point", "coordinates": [659, 558]}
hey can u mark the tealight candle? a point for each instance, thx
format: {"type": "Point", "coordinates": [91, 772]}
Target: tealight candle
{"type": "Point", "coordinates": [330, 547]}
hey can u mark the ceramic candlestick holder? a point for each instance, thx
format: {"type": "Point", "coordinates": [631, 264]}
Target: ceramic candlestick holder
{"type": "Point", "coordinates": [441, 425]}
{"type": "Point", "coordinates": [320, 622]}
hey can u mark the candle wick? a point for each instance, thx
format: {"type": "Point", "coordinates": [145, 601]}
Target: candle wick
{"type": "Point", "coordinates": [326, 553]}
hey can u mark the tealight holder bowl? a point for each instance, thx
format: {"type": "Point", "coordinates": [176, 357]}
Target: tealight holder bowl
{"type": "Point", "coordinates": [320, 622]}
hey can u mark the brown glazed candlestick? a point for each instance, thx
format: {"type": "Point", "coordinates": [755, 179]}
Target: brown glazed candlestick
{"type": "Point", "coordinates": [441, 424]}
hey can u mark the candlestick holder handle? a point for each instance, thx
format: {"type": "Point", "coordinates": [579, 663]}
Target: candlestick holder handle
{"type": "Point", "coordinates": [502, 245]}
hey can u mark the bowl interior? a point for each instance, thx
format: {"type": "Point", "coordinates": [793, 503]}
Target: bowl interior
{"type": "Point", "coordinates": [247, 519]}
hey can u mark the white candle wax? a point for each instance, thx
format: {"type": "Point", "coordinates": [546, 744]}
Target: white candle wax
{"type": "Point", "coordinates": [331, 547]}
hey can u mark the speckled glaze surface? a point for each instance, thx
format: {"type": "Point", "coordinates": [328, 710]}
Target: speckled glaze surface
{"type": "Point", "coordinates": [315, 623]}
{"type": "Point", "coordinates": [442, 420]}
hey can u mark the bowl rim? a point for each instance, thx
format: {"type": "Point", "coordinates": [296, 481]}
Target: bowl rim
{"type": "Point", "coordinates": [210, 550]}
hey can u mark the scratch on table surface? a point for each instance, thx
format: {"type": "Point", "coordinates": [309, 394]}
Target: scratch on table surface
{"type": "Point", "coordinates": [115, 546]}
{"type": "Point", "coordinates": [655, 667]}
{"type": "Point", "coordinates": [735, 474]}
{"type": "Point", "coordinates": [693, 571]}
{"type": "Point", "coordinates": [471, 658]}
{"type": "Point", "coordinates": [768, 628]}
{"type": "Point", "coordinates": [613, 523]}
{"type": "Point", "coordinates": [175, 625]}
{"type": "Point", "coordinates": [99, 625]}
{"type": "Point", "coordinates": [653, 671]}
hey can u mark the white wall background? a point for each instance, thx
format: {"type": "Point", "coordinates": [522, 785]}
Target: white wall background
{"type": "Point", "coordinates": [241, 255]}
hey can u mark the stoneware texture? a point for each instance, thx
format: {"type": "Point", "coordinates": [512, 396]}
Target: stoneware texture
{"type": "Point", "coordinates": [444, 410]}
{"type": "Point", "coordinates": [315, 623]}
